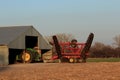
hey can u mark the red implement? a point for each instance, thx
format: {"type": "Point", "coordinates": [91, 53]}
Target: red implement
{"type": "Point", "coordinates": [72, 51]}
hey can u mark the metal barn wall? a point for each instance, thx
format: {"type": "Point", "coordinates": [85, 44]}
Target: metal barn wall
{"type": "Point", "coordinates": [4, 55]}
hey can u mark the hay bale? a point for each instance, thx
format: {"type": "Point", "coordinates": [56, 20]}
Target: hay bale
{"type": "Point", "coordinates": [47, 56]}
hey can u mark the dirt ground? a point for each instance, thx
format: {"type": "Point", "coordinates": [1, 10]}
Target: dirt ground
{"type": "Point", "coordinates": [62, 71]}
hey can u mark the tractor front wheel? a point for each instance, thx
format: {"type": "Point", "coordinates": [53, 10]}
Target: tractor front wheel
{"type": "Point", "coordinates": [26, 57]}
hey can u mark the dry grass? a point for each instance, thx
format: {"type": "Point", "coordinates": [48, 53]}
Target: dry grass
{"type": "Point", "coordinates": [62, 71]}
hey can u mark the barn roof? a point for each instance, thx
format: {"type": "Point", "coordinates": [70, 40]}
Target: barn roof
{"type": "Point", "coordinates": [9, 34]}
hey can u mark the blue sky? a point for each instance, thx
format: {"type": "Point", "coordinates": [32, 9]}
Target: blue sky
{"type": "Point", "coordinates": [77, 17]}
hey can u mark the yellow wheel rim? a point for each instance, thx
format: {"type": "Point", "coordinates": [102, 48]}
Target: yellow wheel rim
{"type": "Point", "coordinates": [26, 56]}
{"type": "Point", "coordinates": [71, 60]}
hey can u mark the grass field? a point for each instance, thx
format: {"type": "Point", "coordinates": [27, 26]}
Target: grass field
{"type": "Point", "coordinates": [103, 60]}
{"type": "Point", "coordinates": [99, 60]}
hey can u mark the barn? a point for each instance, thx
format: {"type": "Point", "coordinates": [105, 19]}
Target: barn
{"type": "Point", "coordinates": [14, 39]}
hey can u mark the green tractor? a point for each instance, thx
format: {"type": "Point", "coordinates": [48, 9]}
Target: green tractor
{"type": "Point", "coordinates": [29, 55]}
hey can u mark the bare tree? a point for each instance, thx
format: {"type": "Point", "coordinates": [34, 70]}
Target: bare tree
{"type": "Point", "coordinates": [62, 37]}
{"type": "Point", "coordinates": [98, 46]}
{"type": "Point", "coordinates": [117, 40]}
{"type": "Point", "coordinates": [48, 38]}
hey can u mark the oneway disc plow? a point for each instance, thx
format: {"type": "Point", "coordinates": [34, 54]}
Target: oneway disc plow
{"type": "Point", "coordinates": [72, 51]}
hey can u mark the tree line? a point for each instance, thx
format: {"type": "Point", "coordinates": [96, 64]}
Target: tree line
{"type": "Point", "coordinates": [99, 50]}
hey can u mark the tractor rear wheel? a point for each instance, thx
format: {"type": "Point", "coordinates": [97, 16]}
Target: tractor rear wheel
{"type": "Point", "coordinates": [26, 57]}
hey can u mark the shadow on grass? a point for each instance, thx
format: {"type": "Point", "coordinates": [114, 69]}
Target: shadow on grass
{"type": "Point", "coordinates": [3, 68]}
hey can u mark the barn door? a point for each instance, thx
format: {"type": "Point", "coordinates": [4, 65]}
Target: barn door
{"type": "Point", "coordinates": [31, 41]}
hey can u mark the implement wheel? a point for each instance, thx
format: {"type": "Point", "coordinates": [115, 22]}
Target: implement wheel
{"type": "Point", "coordinates": [73, 60]}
